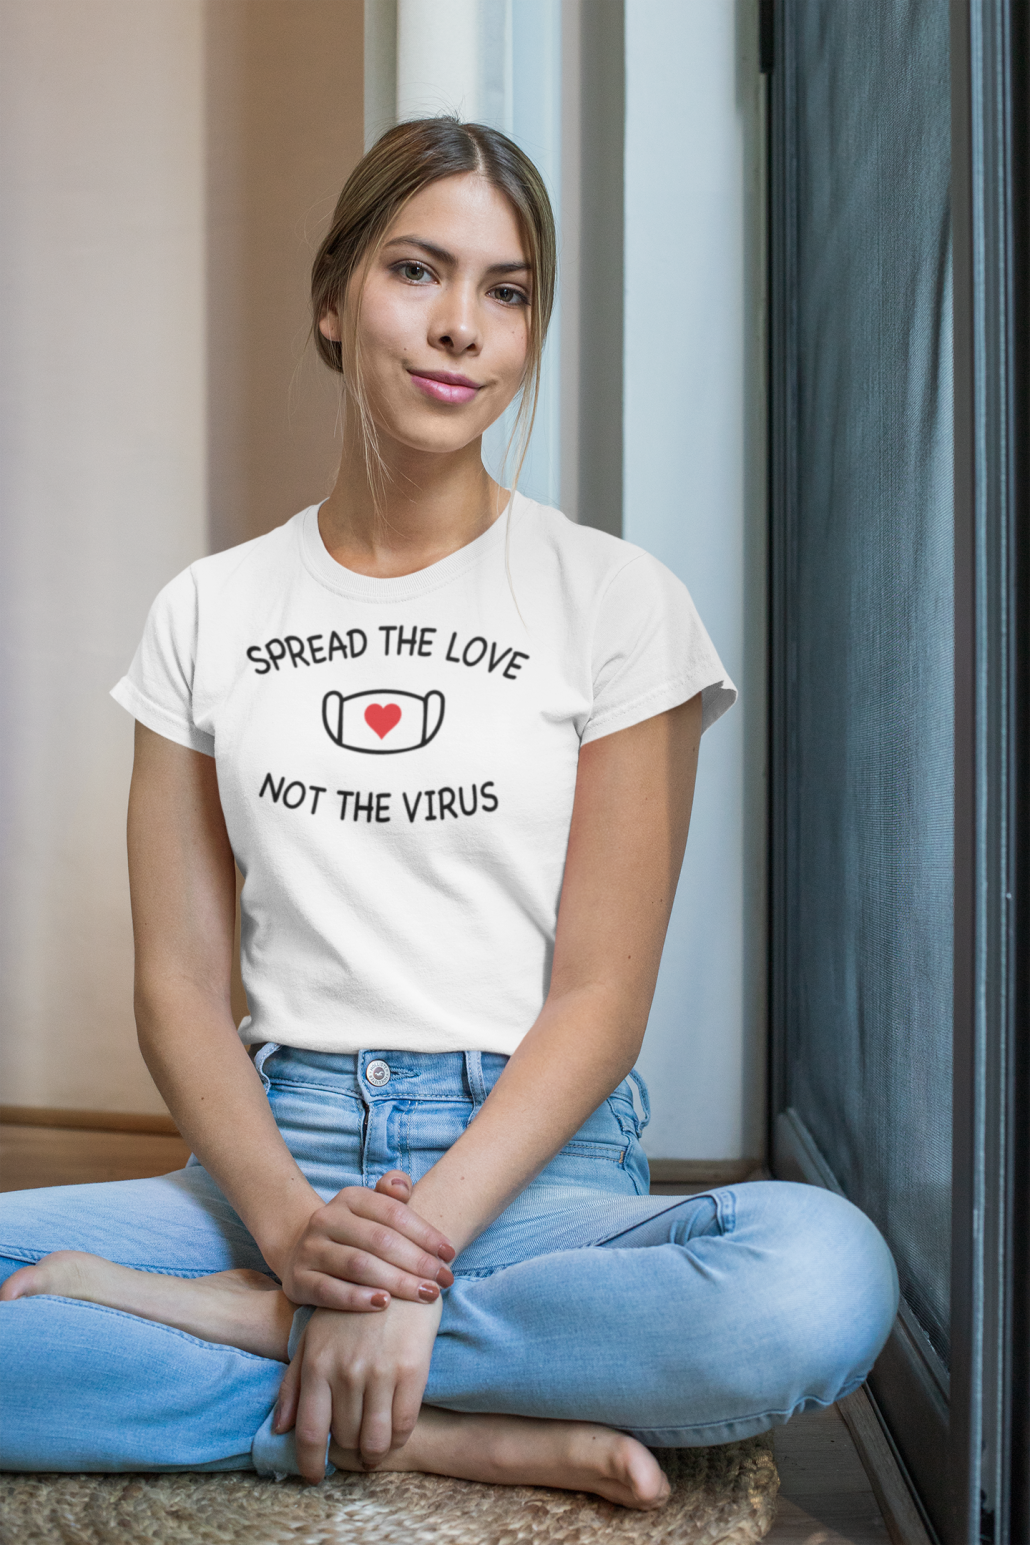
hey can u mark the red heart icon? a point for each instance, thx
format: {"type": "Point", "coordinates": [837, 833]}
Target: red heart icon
{"type": "Point", "coordinates": [382, 717]}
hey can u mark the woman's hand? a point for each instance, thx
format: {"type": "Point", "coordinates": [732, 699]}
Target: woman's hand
{"type": "Point", "coordinates": [360, 1379]}
{"type": "Point", "coordinates": [364, 1247]}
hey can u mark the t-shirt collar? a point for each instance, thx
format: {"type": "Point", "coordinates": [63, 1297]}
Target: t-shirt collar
{"type": "Point", "coordinates": [365, 587]}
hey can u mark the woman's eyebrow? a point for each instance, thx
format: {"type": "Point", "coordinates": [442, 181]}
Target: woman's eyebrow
{"type": "Point", "coordinates": [443, 256]}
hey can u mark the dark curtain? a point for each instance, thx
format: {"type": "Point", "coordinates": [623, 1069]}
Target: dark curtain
{"type": "Point", "coordinates": [867, 620]}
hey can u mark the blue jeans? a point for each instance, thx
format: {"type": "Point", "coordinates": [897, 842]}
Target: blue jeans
{"type": "Point", "coordinates": [684, 1321]}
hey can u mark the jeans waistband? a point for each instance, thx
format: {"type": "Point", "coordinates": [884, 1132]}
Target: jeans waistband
{"type": "Point", "coordinates": [413, 1075]}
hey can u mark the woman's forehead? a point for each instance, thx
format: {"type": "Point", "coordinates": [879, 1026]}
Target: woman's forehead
{"type": "Point", "coordinates": [464, 216]}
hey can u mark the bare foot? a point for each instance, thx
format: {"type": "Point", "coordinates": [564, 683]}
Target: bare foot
{"type": "Point", "coordinates": [236, 1308]}
{"type": "Point", "coordinates": [527, 1451]}
{"type": "Point", "coordinates": [245, 1309]}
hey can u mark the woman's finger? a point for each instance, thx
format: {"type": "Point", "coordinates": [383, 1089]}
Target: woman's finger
{"type": "Point", "coordinates": [348, 1405]}
{"type": "Point", "coordinates": [311, 1429]}
{"type": "Point", "coordinates": [395, 1183]}
{"type": "Point", "coordinates": [376, 1436]}
{"type": "Point", "coordinates": [286, 1405]}
{"type": "Point", "coordinates": [358, 1201]}
{"type": "Point", "coordinates": [407, 1403]}
{"type": "Point", "coordinates": [378, 1241]}
{"type": "Point", "coordinates": [420, 1281]}
{"type": "Point", "coordinates": [326, 1290]}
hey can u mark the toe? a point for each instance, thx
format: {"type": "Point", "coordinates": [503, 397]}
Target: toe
{"type": "Point", "coordinates": [649, 1482]}
{"type": "Point", "coordinates": [22, 1283]}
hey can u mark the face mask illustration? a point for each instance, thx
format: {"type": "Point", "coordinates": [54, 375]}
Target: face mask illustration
{"type": "Point", "coordinates": [382, 722]}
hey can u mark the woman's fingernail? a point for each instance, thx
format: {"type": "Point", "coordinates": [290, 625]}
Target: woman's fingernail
{"type": "Point", "coordinates": [428, 1293]}
{"type": "Point", "coordinates": [379, 1300]}
{"type": "Point", "coordinates": [276, 1414]}
{"type": "Point", "coordinates": [447, 1252]}
{"type": "Point", "coordinates": [445, 1277]}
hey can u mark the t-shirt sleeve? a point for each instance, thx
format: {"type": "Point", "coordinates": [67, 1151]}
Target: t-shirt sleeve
{"type": "Point", "coordinates": [651, 652]}
{"type": "Point", "coordinates": [157, 689]}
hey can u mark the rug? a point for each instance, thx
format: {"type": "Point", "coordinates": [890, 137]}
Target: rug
{"type": "Point", "coordinates": [720, 1496]}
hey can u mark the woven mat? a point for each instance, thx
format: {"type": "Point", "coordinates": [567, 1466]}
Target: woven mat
{"type": "Point", "coordinates": [721, 1496]}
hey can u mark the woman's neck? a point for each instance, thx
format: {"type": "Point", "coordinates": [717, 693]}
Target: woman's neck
{"type": "Point", "coordinates": [431, 506]}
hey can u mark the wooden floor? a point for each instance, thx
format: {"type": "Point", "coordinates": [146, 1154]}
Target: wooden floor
{"type": "Point", "coordinates": [825, 1495]}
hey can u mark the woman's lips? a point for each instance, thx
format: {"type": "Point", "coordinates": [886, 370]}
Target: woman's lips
{"type": "Point", "coordinates": [444, 387]}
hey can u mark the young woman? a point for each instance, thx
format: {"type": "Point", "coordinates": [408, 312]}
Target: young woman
{"type": "Point", "coordinates": [449, 738]}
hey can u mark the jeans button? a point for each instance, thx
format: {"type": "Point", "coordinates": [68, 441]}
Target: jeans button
{"type": "Point", "coordinates": [377, 1073]}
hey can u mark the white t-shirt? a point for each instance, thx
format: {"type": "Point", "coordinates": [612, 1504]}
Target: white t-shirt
{"type": "Point", "coordinates": [397, 760]}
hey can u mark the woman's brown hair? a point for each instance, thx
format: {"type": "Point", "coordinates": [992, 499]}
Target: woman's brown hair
{"type": "Point", "coordinates": [403, 161]}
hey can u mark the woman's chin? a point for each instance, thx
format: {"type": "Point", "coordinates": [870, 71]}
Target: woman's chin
{"type": "Point", "coordinates": [416, 423]}
{"type": "Point", "coordinates": [447, 433]}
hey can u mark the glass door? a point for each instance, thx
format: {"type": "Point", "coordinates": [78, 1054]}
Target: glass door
{"type": "Point", "coordinates": [897, 790]}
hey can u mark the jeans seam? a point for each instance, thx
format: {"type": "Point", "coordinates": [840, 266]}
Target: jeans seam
{"type": "Point", "coordinates": [337, 1093]}
{"type": "Point", "coordinates": [628, 1125]}
{"type": "Point", "coordinates": [609, 1153]}
{"type": "Point", "coordinates": [608, 1239]}
{"type": "Point", "coordinates": [754, 1416]}
{"type": "Point", "coordinates": [478, 1273]}
{"type": "Point", "coordinates": [475, 1080]}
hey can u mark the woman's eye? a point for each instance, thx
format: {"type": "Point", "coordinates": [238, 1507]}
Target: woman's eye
{"type": "Point", "coordinates": [509, 296]}
{"type": "Point", "coordinates": [414, 271]}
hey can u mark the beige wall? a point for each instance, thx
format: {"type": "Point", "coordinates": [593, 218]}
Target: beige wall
{"type": "Point", "coordinates": [285, 124]}
{"type": "Point", "coordinates": [164, 165]}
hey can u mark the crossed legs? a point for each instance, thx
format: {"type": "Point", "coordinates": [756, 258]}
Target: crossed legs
{"type": "Point", "coordinates": [245, 1310]}
{"type": "Point", "coordinates": [715, 1318]}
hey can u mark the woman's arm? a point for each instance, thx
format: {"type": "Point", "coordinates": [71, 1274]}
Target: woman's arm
{"type": "Point", "coordinates": [634, 792]}
{"type": "Point", "coordinates": [634, 789]}
{"type": "Point", "coordinates": [183, 884]}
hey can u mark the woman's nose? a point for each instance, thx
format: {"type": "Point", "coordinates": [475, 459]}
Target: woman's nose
{"type": "Point", "coordinates": [456, 324]}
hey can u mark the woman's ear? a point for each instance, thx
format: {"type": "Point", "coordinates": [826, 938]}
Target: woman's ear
{"type": "Point", "coordinates": [329, 326]}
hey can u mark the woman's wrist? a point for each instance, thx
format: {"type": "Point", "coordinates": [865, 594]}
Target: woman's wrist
{"type": "Point", "coordinates": [435, 1200]}
{"type": "Point", "coordinates": [279, 1230]}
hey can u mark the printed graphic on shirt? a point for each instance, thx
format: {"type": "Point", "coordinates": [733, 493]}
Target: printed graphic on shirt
{"type": "Point", "coordinates": [380, 805]}
{"type": "Point", "coordinates": [384, 721]}
{"type": "Point", "coordinates": [486, 656]}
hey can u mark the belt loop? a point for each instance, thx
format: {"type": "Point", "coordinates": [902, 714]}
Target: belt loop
{"type": "Point", "coordinates": [474, 1075]}
{"type": "Point", "coordinates": [262, 1056]}
{"type": "Point", "coordinates": [644, 1098]}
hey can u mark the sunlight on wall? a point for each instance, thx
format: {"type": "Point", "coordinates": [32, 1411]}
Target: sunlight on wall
{"type": "Point", "coordinates": [694, 496]}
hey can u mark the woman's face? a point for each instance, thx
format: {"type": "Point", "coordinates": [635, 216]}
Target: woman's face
{"type": "Point", "coordinates": [443, 324]}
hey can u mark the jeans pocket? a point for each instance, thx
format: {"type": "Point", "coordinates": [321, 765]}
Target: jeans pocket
{"type": "Point", "coordinates": [605, 1154]}
{"type": "Point", "coordinates": [323, 1129]}
{"type": "Point", "coordinates": [632, 1122]}
{"type": "Point", "coordinates": [426, 1130]}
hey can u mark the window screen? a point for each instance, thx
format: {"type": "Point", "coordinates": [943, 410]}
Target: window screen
{"type": "Point", "coordinates": [865, 614]}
